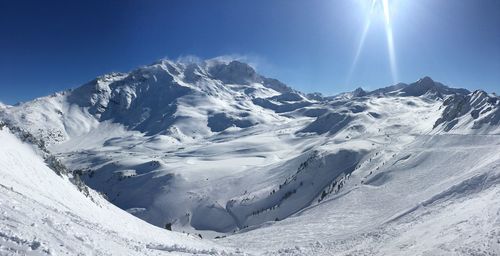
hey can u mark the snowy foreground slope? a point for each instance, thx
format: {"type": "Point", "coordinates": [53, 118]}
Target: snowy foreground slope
{"type": "Point", "coordinates": [44, 214]}
{"type": "Point", "coordinates": [214, 148]}
{"type": "Point", "coordinates": [437, 196]}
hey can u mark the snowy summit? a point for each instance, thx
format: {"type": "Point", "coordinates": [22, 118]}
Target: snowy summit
{"type": "Point", "coordinates": [210, 157]}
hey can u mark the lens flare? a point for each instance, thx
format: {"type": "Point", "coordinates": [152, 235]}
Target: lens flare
{"type": "Point", "coordinates": [362, 41]}
{"type": "Point", "coordinates": [390, 40]}
{"type": "Point", "coordinates": [376, 5]}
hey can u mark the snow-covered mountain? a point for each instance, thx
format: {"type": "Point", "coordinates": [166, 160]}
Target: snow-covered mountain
{"type": "Point", "coordinates": [165, 98]}
{"type": "Point", "coordinates": [43, 213]}
{"type": "Point", "coordinates": [212, 147]}
{"type": "Point", "coordinates": [477, 111]}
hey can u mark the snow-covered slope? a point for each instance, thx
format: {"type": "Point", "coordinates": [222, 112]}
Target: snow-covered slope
{"type": "Point", "coordinates": [45, 214]}
{"type": "Point", "coordinates": [212, 147]}
{"type": "Point", "coordinates": [183, 101]}
{"type": "Point", "coordinates": [476, 112]}
{"type": "Point", "coordinates": [438, 195]}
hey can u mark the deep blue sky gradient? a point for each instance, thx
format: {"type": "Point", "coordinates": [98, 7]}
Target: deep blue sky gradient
{"type": "Point", "coordinates": [48, 46]}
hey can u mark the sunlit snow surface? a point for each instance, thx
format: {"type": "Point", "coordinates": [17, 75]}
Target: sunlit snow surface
{"type": "Point", "coordinates": [44, 214]}
{"type": "Point", "coordinates": [216, 149]}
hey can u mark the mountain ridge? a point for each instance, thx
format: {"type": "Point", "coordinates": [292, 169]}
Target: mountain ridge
{"type": "Point", "coordinates": [142, 98]}
{"type": "Point", "coordinates": [213, 148]}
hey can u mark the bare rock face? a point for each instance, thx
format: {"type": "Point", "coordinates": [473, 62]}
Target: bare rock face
{"type": "Point", "coordinates": [477, 107]}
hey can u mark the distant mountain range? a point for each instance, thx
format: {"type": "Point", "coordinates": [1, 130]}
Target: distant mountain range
{"type": "Point", "coordinates": [214, 148]}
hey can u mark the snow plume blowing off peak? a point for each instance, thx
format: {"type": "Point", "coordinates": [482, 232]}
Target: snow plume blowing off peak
{"type": "Point", "coordinates": [167, 97]}
{"type": "Point", "coordinates": [214, 149]}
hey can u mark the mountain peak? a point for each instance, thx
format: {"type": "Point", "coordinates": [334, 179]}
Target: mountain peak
{"type": "Point", "coordinates": [234, 72]}
{"type": "Point", "coordinates": [427, 86]}
{"type": "Point", "coordinates": [359, 92]}
{"type": "Point", "coordinates": [426, 83]}
{"type": "Point", "coordinates": [425, 80]}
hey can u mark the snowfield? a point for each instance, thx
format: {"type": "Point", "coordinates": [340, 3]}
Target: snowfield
{"type": "Point", "coordinates": [213, 149]}
{"type": "Point", "coordinates": [438, 196]}
{"type": "Point", "coordinates": [44, 214]}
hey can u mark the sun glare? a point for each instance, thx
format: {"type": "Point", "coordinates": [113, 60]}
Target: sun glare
{"type": "Point", "coordinates": [378, 7]}
{"type": "Point", "coordinates": [390, 40]}
{"type": "Point", "coordinates": [362, 40]}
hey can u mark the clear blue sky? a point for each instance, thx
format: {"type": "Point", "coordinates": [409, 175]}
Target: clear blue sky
{"type": "Point", "coordinates": [48, 46]}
